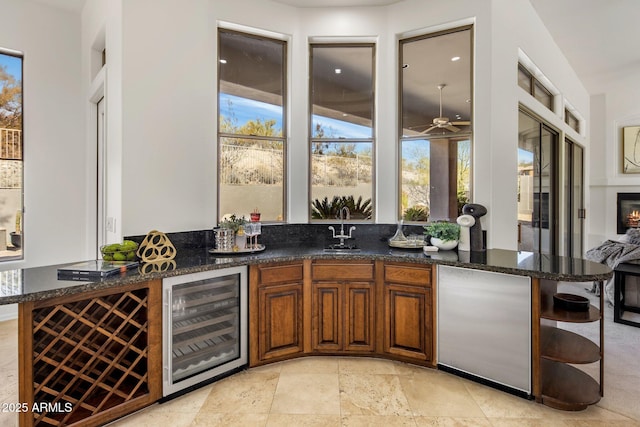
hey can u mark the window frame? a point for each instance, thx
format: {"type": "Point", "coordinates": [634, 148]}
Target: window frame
{"type": "Point", "coordinates": [19, 221]}
{"type": "Point", "coordinates": [536, 88]}
{"type": "Point", "coordinates": [285, 105]}
{"type": "Point", "coordinates": [462, 136]}
{"type": "Point", "coordinates": [339, 140]}
{"type": "Point", "coordinates": [571, 120]}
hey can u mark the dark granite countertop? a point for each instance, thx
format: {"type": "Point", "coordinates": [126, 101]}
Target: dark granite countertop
{"type": "Point", "coordinates": [39, 283]}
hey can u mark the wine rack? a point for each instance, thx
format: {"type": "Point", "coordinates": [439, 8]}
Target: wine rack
{"type": "Point", "coordinates": [91, 357]}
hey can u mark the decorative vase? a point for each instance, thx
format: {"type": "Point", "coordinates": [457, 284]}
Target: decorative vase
{"type": "Point", "coordinates": [465, 222]}
{"type": "Point", "coordinates": [445, 245]}
{"type": "Point", "coordinates": [225, 239]}
{"type": "Point", "coordinates": [399, 236]}
{"type": "Point", "coordinates": [16, 239]}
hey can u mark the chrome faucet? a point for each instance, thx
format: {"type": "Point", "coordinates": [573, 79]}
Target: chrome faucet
{"type": "Point", "coordinates": [343, 214]}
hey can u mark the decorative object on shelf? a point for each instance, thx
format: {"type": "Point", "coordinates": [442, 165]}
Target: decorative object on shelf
{"type": "Point", "coordinates": [476, 240]}
{"type": "Point", "coordinates": [570, 302]}
{"type": "Point", "coordinates": [255, 215]}
{"type": "Point", "coordinates": [399, 236]}
{"type": "Point", "coordinates": [253, 230]}
{"type": "Point", "coordinates": [465, 222]}
{"type": "Point", "coordinates": [16, 236]}
{"type": "Point", "coordinates": [631, 149]}
{"type": "Point", "coordinates": [125, 251]}
{"type": "Point", "coordinates": [225, 239]}
{"type": "Point", "coordinates": [228, 241]}
{"type": "Point", "coordinates": [226, 234]}
{"type": "Point", "coordinates": [232, 222]}
{"type": "Point", "coordinates": [241, 239]}
{"type": "Point", "coordinates": [444, 235]}
{"type": "Point", "coordinates": [157, 253]}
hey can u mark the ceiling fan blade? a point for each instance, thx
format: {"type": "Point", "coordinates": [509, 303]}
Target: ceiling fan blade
{"type": "Point", "coordinates": [429, 129]}
{"type": "Point", "coordinates": [462, 123]}
{"type": "Point", "coordinates": [451, 128]}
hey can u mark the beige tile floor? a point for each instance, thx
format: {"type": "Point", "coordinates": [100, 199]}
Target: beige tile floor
{"type": "Point", "coordinates": [339, 391]}
{"type": "Point", "coordinates": [332, 391]}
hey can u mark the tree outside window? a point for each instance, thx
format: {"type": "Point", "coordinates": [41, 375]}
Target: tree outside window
{"type": "Point", "coordinates": [11, 160]}
{"type": "Point", "coordinates": [251, 126]}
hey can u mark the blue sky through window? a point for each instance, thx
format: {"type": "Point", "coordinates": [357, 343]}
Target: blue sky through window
{"type": "Point", "coordinates": [245, 109]}
{"type": "Point", "coordinates": [12, 65]}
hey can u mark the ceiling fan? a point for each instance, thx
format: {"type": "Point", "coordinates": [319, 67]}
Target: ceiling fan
{"type": "Point", "coordinates": [443, 122]}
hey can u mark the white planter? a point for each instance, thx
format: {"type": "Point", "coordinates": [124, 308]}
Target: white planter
{"type": "Point", "coordinates": [445, 245]}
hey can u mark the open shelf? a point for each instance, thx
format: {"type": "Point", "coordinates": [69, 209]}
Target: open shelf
{"type": "Point", "coordinates": [565, 346]}
{"type": "Point", "coordinates": [566, 387]}
{"type": "Point", "coordinates": [548, 311]}
{"type": "Point", "coordinates": [557, 383]}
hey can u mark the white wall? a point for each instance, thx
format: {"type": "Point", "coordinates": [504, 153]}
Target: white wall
{"type": "Point", "coordinates": [54, 172]}
{"type": "Point", "coordinates": [169, 92]}
{"type": "Point", "coordinates": [169, 104]}
{"type": "Point", "coordinates": [102, 29]}
{"type": "Point", "coordinates": [616, 107]}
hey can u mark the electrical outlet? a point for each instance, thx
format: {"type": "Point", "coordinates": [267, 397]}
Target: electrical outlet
{"type": "Point", "coordinates": [110, 225]}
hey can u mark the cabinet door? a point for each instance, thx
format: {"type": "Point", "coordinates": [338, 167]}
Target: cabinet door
{"type": "Point", "coordinates": [407, 328]}
{"type": "Point", "coordinates": [359, 317]}
{"type": "Point", "coordinates": [343, 317]}
{"type": "Point", "coordinates": [327, 313]}
{"type": "Point", "coordinates": [280, 328]}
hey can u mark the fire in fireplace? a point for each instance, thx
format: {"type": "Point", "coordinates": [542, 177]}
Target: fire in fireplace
{"type": "Point", "coordinates": [628, 211]}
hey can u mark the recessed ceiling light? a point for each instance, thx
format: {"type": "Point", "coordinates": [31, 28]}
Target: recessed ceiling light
{"type": "Point", "coordinates": [223, 61]}
{"type": "Point", "coordinates": [455, 58]}
{"type": "Point", "coordinates": [338, 71]}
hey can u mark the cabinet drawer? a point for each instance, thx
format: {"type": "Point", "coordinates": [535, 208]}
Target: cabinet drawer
{"type": "Point", "coordinates": [420, 276]}
{"type": "Point", "coordinates": [342, 271]}
{"type": "Point", "coordinates": [280, 274]}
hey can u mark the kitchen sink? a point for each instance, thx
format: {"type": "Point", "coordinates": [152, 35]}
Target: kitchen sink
{"type": "Point", "coordinates": [341, 249]}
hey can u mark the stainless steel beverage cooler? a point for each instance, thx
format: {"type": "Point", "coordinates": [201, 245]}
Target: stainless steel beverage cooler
{"type": "Point", "coordinates": [204, 326]}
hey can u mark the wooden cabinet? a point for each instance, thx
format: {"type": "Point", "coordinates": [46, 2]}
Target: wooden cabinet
{"type": "Point", "coordinates": [342, 306]}
{"type": "Point", "coordinates": [94, 356]}
{"type": "Point", "coordinates": [276, 312]}
{"type": "Point", "coordinates": [556, 382]}
{"type": "Point", "coordinates": [408, 316]}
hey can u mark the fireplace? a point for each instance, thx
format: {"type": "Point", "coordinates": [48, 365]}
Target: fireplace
{"type": "Point", "coordinates": [628, 211]}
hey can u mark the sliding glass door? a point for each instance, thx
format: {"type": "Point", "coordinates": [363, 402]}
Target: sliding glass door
{"type": "Point", "coordinates": [574, 200]}
{"type": "Point", "coordinates": [537, 166]}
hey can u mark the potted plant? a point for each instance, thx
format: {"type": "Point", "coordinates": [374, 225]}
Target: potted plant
{"type": "Point", "coordinates": [444, 235]}
{"type": "Point", "coordinates": [233, 222]}
{"type": "Point", "coordinates": [225, 234]}
{"type": "Point", "coordinates": [16, 237]}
